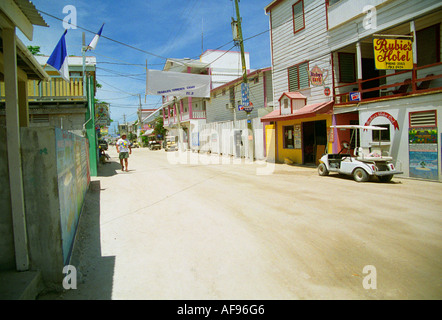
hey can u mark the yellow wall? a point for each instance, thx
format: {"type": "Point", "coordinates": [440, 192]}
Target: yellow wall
{"type": "Point", "coordinates": [295, 155]}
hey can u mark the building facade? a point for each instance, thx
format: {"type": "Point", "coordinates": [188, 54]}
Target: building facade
{"type": "Point", "coordinates": [380, 66]}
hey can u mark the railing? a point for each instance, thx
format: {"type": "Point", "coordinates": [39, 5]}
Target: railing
{"type": "Point", "coordinates": [198, 114]}
{"type": "Point", "coordinates": [419, 80]}
{"type": "Point", "coordinates": [184, 117]}
{"type": "Point", "coordinates": [54, 89]}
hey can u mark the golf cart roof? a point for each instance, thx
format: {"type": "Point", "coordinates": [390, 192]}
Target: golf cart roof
{"type": "Point", "coordinates": [358, 127]}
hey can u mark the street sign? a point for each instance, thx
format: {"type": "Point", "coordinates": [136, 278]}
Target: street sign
{"type": "Point", "coordinates": [245, 94]}
{"type": "Point", "coordinates": [248, 108]}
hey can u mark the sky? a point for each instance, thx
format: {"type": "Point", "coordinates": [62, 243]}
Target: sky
{"type": "Point", "coordinates": [148, 31]}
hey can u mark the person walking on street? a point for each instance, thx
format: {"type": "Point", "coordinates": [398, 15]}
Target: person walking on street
{"type": "Point", "coordinates": [124, 149]}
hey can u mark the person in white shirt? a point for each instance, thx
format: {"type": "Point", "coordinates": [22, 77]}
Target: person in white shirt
{"type": "Point", "coordinates": [124, 149]}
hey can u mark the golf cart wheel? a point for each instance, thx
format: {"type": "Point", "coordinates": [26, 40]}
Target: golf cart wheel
{"type": "Point", "coordinates": [322, 170]}
{"type": "Point", "coordinates": [360, 175]}
{"type": "Point", "coordinates": [386, 178]}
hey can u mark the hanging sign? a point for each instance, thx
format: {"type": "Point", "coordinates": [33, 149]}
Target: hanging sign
{"type": "Point", "coordinates": [317, 77]}
{"type": "Point", "coordinates": [395, 54]}
{"type": "Point", "coordinates": [245, 91]}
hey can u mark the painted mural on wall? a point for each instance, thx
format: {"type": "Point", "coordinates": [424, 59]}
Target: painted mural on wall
{"type": "Point", "coordinates": [423, 153]}
{"type": "Point", "coordinates": [73, 180]}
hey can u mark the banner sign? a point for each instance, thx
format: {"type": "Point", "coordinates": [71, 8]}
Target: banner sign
{"type": "Point", "coordinates": [168, 83]}
{"type": "Point", "coordinates": [396, 54]}
{"type": "Point", "coordinates": [385, 115]}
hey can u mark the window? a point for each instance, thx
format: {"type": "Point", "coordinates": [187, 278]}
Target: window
{"type": "Point", "coordinates": [286, 103]}
{"type": "Point", "coordinates": [428, 43]}
{"type": "Point", "coordinates": [288, 137]}
{"type": "Point", "coordinates": [383, 135]}
{"type": "Point", "coordinates": [347, 70]}
{"type": "Point", "coordinates": [298, 16]}
{"type": "Point", "coordinates": [298, 77]}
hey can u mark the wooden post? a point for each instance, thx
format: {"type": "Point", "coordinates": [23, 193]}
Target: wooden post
{"type": "Point", "coordinates": [414, 46]}
{"type": "Point", "coordinates": [359, 62]}
{"type": "Point", "coordinates": [23, 104]}
{"type": "Point", "coordinates": [13, 147]}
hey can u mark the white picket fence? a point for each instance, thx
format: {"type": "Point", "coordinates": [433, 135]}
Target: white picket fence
{"type": "Point", "coordinates": [219, 138]}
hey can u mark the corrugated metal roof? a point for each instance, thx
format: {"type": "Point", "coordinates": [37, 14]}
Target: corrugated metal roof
{"type": "Point", "coordinates": [31, 12]}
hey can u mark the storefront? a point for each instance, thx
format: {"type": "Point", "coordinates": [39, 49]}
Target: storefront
{"type": "Point", "coordinates": [300, 135]}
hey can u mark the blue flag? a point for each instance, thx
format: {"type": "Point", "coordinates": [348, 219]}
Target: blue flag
{"type": "Point", "coordinates": [59, 58]}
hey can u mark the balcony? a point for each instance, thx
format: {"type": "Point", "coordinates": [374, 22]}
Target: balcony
{"type": "Point", "coordinates": [420, 80]}
{"type": "Point", "coordinates": [184, 117]}
{"type": "Point", "coordinates": [342, 11]}
{"type": "Point", "coordinates": [56, 89]}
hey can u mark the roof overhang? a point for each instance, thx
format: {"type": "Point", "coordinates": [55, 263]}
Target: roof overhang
{"type": "Point", "coordinates": [26, 62]}
{"type": "Point", "coordinates": [307, 111]}
{"type": "Point", "coordinates": [21, 14]}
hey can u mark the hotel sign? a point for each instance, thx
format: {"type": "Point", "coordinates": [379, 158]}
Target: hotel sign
{"type": "Point", "coordinates": [393, 54]}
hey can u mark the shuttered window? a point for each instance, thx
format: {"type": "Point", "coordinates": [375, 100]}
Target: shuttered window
{"type": "Point", "coordinates": [347, 70]}
{"type": "Point", "coordinates": [298, 77]}
{"type": "Point", "coordinates": [423, 119]}
{"type": "Point", "coordinates": [298, 16]}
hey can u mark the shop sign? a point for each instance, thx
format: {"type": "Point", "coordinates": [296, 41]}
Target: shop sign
{"type": "Point", "coordinates": [385, 115]}
{"type": "Point", "coordinates": [395, 54]}
{"type": "Point", "coordinates": [317, 77]}
{"type": "Point", "coordinates": [327, 91]}
{"type": "Point", "coordinates": [354, 96]}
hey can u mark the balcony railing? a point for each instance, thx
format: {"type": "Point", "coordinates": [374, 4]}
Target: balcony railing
{"type": "Point", "coordinates": [54, 89]}
{"type": "Point", "coordinates": [419, 80]}
{"type": "Point", "coordinates": [185, 117]}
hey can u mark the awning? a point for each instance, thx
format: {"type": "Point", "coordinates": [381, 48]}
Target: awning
{"type": "Point", "coordinates": [307, 111]}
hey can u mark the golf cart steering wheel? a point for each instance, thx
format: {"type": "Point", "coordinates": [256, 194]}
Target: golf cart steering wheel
{"type": "Point", "coordinates": [345, 146]}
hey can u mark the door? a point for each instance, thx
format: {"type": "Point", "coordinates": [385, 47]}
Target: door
{"type": "Point", "coordinates": [369, 72]}
{"type": "Point", "coordinates": [314, 138]}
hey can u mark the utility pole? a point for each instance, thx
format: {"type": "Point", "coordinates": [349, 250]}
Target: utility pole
{"type": "Point", "coordinates": [237, 35]}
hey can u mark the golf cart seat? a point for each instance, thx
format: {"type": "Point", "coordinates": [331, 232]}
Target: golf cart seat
{"type": "Point", "coordinates": [362, 154]}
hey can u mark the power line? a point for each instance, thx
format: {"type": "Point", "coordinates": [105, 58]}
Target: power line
{"type": "Point", "coordinates": [103, 36]}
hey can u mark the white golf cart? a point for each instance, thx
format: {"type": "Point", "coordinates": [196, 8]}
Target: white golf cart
{"type": "Point", "coordinates": [363, 163]}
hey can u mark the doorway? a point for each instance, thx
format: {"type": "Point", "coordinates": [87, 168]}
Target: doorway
{"type": "Point", "coordinates": [369, 72]}
{"type": "Point", "coordinates": [314, 138]}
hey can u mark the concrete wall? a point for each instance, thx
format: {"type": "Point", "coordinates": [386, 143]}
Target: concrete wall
{"type": "Point", "coordinates": [55, 179]}
{"type": "Point", "coordinates": [7, 256]}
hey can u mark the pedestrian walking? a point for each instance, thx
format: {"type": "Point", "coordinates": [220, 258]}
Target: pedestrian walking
{"type": "Point", "coordinates": [123, 149]}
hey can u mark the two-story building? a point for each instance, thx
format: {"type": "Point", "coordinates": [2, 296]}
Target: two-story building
{"type": "Point", "coordinates": [226, 130]}
{"type": "Point", "coordinates": [375, 61]}
{"type": "Point", "coordinates": [189, 113]}
{"type": "Point", "coordinates": [57, 102]}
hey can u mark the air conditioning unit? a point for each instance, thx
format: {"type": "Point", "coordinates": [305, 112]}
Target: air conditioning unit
{"type": "Point", "coordinates": [229, 106]}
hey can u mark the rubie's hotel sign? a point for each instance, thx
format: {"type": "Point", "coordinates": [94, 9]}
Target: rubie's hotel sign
{"type": "Point", "coordinates": [396, 54]}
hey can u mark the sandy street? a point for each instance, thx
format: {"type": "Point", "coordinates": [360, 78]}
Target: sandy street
{"type": "Point", "coordinates": [168, 229]}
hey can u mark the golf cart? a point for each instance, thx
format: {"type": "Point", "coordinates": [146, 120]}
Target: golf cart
{"type": "Point", "coordinates": [153, 143]}
{"type": "Point", "coordinates": [363, 163]}
{"type": "Point", "coordinates": [171, 143]}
